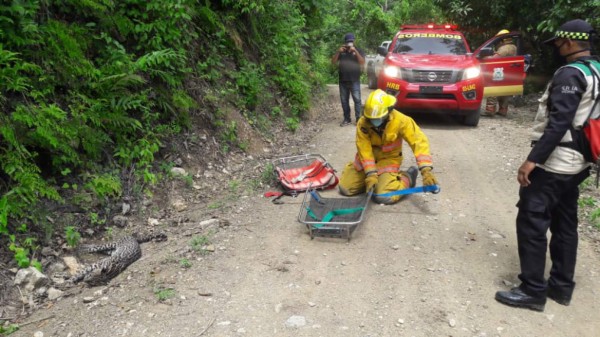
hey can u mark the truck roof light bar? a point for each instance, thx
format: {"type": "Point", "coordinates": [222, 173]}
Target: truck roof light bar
{"type": "Point", "coordinates": [446, 26]}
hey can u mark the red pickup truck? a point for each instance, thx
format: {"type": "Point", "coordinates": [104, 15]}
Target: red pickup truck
{"type": "Point", "coordinates": [430, 68]}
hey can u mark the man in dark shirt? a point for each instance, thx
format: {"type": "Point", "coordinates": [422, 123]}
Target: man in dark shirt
{"type": "Point", "coordinates": [552, 172]}
{"type": "Point", "coordinates": [349, 60]}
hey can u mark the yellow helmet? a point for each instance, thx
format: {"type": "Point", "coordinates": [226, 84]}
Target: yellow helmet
{"type": "Point", "coordinates": [378, 104]}
{"type": "Point", "coordinates": [502, 32]}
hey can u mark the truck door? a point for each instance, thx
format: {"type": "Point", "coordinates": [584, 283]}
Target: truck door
{"type": "Point", "coordinates": [502, 76]}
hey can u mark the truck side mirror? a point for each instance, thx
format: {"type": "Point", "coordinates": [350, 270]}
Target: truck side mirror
{"type": "Point", "coordinates": [485, 52]}
{"type": "Point", "coordinates": [382, 51]}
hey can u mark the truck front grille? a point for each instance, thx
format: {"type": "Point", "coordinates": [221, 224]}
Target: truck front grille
{"type": "Point", "coordinates": [430, 76]}
{"type": "Point", "coordinates": [430, 96]}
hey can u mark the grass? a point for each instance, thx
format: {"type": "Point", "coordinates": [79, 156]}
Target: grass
{"type": "Point", "coordinates": [7, 330]}
{"type": "Point", "coordinates": [163, 294]}
{"type": "Point", "coordinates": [595, 218]}
{"type": "Point", "coordinates": [216, 205]}
{"type": "Point", "coordinates": [268, 174]}
{"type": "Point", "coordinates": [199, 244]}
{"type": "Point", "coordinates": [586, 201]}
{"type": "Point", "coordinates": [185, 263]}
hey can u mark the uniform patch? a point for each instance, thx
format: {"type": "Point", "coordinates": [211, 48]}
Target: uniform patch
{"type": "Point", "coordinates": [565, 89]}
{"type": "Point", "coordinates": [364, 130]}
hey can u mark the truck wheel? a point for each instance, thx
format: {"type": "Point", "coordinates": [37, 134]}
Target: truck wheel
{"type": "Point", "coordinates": [472, 118]}
{"type": "Point", "coordinates": [372, 80]}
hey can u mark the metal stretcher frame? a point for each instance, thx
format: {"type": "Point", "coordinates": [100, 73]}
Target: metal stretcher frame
{"type": "Point", "coordinates": [315, 209]}
{"type": "Point", "coordinates": [297, 174]}
{"type": "Point", "coordinates": [296, 161]}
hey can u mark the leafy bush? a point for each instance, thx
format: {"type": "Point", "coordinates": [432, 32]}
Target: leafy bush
{"type": "Point", "coordinates": [72, 236]}
{"type": "Point", "coordinates": [90, 91]}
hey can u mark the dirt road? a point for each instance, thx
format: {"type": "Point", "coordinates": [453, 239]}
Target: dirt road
{"type": "Point", "coordinates": [428, 266]}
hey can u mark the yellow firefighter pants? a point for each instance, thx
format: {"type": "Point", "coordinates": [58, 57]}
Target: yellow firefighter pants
{"type": "Point", "coordinates": [352, 182]}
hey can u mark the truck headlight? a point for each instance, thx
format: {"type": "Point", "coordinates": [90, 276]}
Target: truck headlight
{"type": "Point", "coordinates": [392, 71]}
{"type": "Point", "coordinates": [471, 73]}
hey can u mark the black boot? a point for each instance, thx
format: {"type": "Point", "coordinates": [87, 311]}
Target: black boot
{"type": "Point", "coordinates": [559, 297]}
{"type": "Point", "coordinates": [412, 174]}
{"type": "Point", "coordinates": [517, 298]}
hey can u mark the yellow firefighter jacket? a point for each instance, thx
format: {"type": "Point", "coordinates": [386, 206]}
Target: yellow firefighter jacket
{"type": "Point", "coordinates": [381, 150]}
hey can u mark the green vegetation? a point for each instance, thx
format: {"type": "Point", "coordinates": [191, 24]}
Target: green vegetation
{"type": "Point", "coordinates": [268, 175]}
{"type": "Point", "coordinates": [199, 244]}
{"type": "Point", "coordinates": [72, 236]}
{"type": "Point", "coordinates": [185, 263]}
{"type": "Point", "coordinates": [595, 218]}
{"type": "Point", "coordinates": [91, 91]}
{"type": "Point", "coordinates": [8, 329]}
{"type": "Point", "coordinates": [163, 294]}
{"type": "Point", "coordinates": [588, 201]}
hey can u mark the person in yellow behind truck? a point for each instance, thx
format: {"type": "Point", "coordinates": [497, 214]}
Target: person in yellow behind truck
{"type": "Point", "coordinates": [505, 48]}
{"type": "Point", "coordinates": [379, 136]}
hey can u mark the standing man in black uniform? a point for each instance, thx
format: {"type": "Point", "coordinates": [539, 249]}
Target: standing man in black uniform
{"type": "Point", "coordinates": [550, 176]}
{"type": "Point", "coordinates": [350, 61]}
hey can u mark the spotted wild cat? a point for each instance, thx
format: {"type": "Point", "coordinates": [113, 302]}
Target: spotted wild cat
{"type": "Point", "coordinates": [122, 253]}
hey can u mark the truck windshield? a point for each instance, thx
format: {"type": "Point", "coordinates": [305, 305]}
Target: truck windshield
{"type": "Point", "coordinates": [430, 45]}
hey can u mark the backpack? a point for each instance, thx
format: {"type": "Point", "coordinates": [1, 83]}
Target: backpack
{"type": "Point", "coordinates": [591, 127]}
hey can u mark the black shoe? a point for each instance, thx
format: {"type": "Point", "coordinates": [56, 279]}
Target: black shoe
{"type": "Point", "coordinates": [517, 298]}
{"type": "Point", "coordinates": [412, 174]}
{"type": "Point", "coordinates": [559, 297]}
{"type": "Point", "coordinates": [344, 123]}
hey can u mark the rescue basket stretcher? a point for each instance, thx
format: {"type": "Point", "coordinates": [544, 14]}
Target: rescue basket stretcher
{"type": "Point", "coordinates": [339, 217]}
{"type": "Point", "coordinates": [296, 174]}
{"type": "Point", "coordinates": [332, 217]}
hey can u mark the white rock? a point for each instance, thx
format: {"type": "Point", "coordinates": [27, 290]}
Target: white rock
{"type": "Point", "coordinates": [178, 171]}
{"type": "Point", "coordinates": [30, 279]}
{"type": "Point", "coordinates": [209, 222]}
{"type": "Point", "coordinates": [179, 205]}
{"type": "Point", "coordinates": [54, 294]}
{"type": "Point", "coordinates": [125, 208]}
{"type": "Point", "coordinates": [295, 321]}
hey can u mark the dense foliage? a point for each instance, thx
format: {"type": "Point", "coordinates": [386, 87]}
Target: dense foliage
{"type": "Point", "coordinates": [90, 90]}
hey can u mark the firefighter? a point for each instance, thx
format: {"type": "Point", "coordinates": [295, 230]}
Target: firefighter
{"type": "Point", "coordinates": [505, 48]}
{"type": "Point", "coordinates": [379, 135]}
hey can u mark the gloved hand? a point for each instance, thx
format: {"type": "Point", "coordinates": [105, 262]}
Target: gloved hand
{"type": "Point", "coordinates": [371, 181]}
{"type": "Point", "coordinates": [428, 177]}
{"type": "Point", "coordinates": [389, 138]}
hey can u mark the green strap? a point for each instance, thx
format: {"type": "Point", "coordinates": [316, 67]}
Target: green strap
{"type": "Point", "coordinates": [331, 214]}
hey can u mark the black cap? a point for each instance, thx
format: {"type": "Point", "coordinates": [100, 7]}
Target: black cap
{"type": "Point", "coordinates": [349, 37]}
{"type": "Point", "coordinates": [573, 30]}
